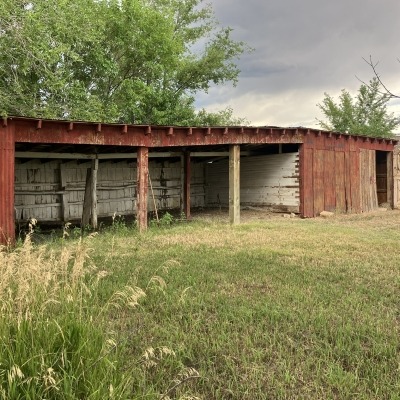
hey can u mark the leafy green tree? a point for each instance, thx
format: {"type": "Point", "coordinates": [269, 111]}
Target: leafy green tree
{"type": "Point", "coordinates": [364, 115]}
{"type": "Point", "coordinates": [221, 118]}
{"type": "Point", "coordinates": [112, 60]}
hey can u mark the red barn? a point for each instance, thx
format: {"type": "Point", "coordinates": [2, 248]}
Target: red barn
{"type": "Point", "coordinates": [69, 170]}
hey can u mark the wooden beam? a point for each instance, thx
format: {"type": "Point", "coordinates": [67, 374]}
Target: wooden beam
{"type": "Point", "coordinates": [390, 181]}
{"type": "Point", "coordinates": [216, 153]}
{"type": "Point", "coordinates": [64, 195]}
{"type": "Point", "coordinates": [108, 156]}
{"type": "Point", "coordinates": [93, 197]}
{"type": "Point", "coordinates": [87, 200]}
{"type": "Point", "coordinates": [46, 155]}
{"type": "Point", "coordinates": [142, 187]}
{"type": "Point", "coordinates": [7, 186]}
{"type": "Point", "coordinates": [234, 184]}
{"type": "Point", "coordinates": [89, 213]}
{"type": "Point", "coordinates": [186, 184]}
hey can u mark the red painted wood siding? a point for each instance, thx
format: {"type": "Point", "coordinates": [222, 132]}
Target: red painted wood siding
{"type": "Point", "coordinates": [331, 176]}
{"type": "Point", "coordinates": [7, 162]}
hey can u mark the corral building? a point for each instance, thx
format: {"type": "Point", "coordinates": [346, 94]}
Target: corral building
{"type": "Point", "coordinates": [59, 171]}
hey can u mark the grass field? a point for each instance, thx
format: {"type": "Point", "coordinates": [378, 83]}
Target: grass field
{"type": "Point", "coordinates": [274, 308]}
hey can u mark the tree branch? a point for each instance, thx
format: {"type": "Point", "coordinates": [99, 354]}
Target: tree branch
{"type": "Point", "coordinates": [375, 71]}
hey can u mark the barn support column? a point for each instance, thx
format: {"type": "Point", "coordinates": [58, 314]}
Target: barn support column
{"type": "Point", "coordinates": [7, 176]}
{"type": "Point", "coordinates": [93, 205]}
{"type": "Point", "coordinates": [90, 200]}
{"type": "Point", "coordinates": [186, 184]}
{"type": "Point", "coordinates": [234, 184]}
{"type": "Point", "coordinates": [142, 186]}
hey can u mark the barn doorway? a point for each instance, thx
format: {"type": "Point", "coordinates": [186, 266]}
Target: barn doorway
{"type": "Point", "coordinates": [384, 176]}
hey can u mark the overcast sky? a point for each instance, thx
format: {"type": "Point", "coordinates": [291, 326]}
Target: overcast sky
{"type": "Point", "coordinates": [303, 48]}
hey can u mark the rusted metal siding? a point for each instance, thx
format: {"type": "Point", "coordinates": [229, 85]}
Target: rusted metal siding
{"type": "Point", "coordinates": [7, 152]}
{"type": "Point", "coordinates": [270, 180]}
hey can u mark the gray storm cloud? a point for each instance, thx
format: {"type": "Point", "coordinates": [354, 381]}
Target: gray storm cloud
{"type": "Point", "coordinates": [303, 49]}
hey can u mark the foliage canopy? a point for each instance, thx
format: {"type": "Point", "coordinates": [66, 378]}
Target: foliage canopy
{"type": "Point", "coordinates": [365, 115]}
{"type": "Point", "coordinates": [112, 60]}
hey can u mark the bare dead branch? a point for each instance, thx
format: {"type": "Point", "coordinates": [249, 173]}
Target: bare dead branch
{"type": "Point", "coordinates": [375, 71]}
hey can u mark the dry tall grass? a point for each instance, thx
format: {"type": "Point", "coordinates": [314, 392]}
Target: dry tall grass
{"type": "Point", "coordinates": [53, 342]}
{"type": "Point", "coordinates": [35, 278]}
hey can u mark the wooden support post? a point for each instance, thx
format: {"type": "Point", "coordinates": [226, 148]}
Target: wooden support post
{"type": "Point", "coordinates": [142, 186]}
{"type": "Point", "coordinates": [93, 205]}
{"type": "Point", "coordinates": [390, 181]}
{"type": "Point", "coordinates": [89, 214]}
{"type": "Point", "coordinates": [64, 195]}
{"type": "Point", "coordinates": [87, 199]}
{"type": "Point", "coordinates": [186, 184]}
{"type": "Point", "coordinates": [7, 176]}
{"type": "Point", "coordinates": [182, 194]}
{"type": "Point", "coordinates": [234, 184]}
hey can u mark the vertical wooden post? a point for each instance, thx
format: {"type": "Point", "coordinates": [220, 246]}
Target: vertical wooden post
{"type": "Point", "coordinates": [93, 206]}
{"type": "Point", "coordinates": [234, 184]}
{"type": "Point", "coordinates": [186, 191]}
{"type": "Point", "coordinates": [142, 186]}
{"type": "Point", "coordinates": [182, 194]}
{"type": "Point", "coordinates": [64, 195]}
{"type": "Point", "coordinates": [87, 201]}
{"type": "Point", "coordinates": [390, 181]}
{"type": "Point", "coordinates": [7, 176]}
{"type": "Point", "coordinates": [90, 200]}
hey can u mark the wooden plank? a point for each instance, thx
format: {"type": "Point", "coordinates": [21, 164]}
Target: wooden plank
{"type": "Point", "coordinates": [364, 172]}
{"type": "Point", "coordinates": [64, 194]}
{"type": "Point", "coordinates": [7, 185]}
{"type": "Point", "coordinates": [318, 173]}
{"type": "Point", "coordinates": [234, 184]}
{"type": "Point", "coordinates": [142, 187]}
{"type": "Point", "coordinates": [93, 196]}
{"type": "Point", "coordinates": [347, 182]}
{"type": "Point", "coordinates": [49, 155]}
{"type": "Point", "coordinates": [329, 180]}
{"type": "Point", "coordinates": [373, 188]}
{"type": "Point", "coordinates": [340, 181]}
{"type": "Point", "coordinates": [369, 197]}
{"type": "Point", "coordinates": [182, 193]}
{"type": "Point", "coordinates": [186, 184]}
{"type": "Point", "coordinates": [396, 177]}
{"type": "Point", "coordinates": [306, 182]}
{"type": "Point", "coordinates": [389, 185]}
{"type": "Point", "coordinates": [87, 201]}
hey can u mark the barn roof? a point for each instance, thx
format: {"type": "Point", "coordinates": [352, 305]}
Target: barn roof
{"type": "Point", "coordinates": [84, 133]}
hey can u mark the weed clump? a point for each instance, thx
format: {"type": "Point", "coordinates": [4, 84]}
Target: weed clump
{"type": "Point", "coordinates": [53, 340]}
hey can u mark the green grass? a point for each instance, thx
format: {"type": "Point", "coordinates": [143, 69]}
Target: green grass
{"type": "Point", "coordinates": [273, 309]}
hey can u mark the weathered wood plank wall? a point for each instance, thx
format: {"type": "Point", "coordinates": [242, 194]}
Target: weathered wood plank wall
{"type": "Point", "coordinates": [338, 173]}
{"type": "Point", "coordinates": [396, 176]}
{"type": "Point", "coordinates": [268, 180]}
{"type": "Point", "coordinates": [54, 190]}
